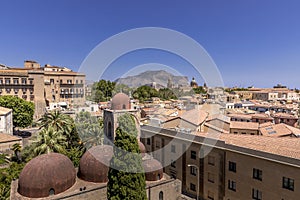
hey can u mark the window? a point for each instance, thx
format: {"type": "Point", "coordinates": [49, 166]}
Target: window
{"type": "Point", "coordinates": [193, 170]}
{"type": "Point", "coordinates": [288, 183]}
{"type": "Point", "coordinates": [232, 166]}
{"type": "Point", "coordinates": [24, 81]}
{"type": "Point", "coordinates": [193, 155]}
{"type": "Point", "coordinates": [232, 185]}
{"type": "Point", "coordinates": [148, 141]}
{"type": "Point", "coordinates": [51, 192]}
{"type": "Point", "coordinates": [210, 195]}
{"type": "Point", "coordinates": [173, 148]}
{"type": "Point", "coordinates": [192, 187]}
{"type": "Point", "coordinates": [211, 178]}
{"type": "Point", "coordinates": [256, 194]}
{"type": "Point", "coordinates": [16, 81]}
{"type": "Point", "coordinates": [257, 174]}
{"type": "Point", "coordinates": [76, 81]}
{"type": "Point", "coordinates": [51, 81]}
{"type": "Point", "coordinates": [7, 81]}
{"type": "Point", "coordinates": [211, 160]}
{"type": "Point", "coordinates": [157, 144]}
{"type": "Point", "coordinates": [173, 163]}
{"type": "Point", "coordinates": [161, 195]}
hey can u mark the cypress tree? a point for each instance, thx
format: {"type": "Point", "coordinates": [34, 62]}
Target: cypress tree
{"type": "Point", "coordinates": [126, 178]}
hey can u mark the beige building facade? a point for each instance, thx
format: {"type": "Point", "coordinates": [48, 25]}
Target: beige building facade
{"type": "Point", "coordinates": [231, 167]}
{"type": "Point", "coordinates": [43, 85]}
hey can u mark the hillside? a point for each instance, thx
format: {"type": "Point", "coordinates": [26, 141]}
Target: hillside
{"type": "Point", "coordinates": [161, 77]}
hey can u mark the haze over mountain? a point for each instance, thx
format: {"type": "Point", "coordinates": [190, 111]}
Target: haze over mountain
{"type": "Point", "coordinates": [161, 77]}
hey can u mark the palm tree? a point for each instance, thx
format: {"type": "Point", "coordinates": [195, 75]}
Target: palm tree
{"type": "Point", "coordinates": [50, 140]}
{"type": "Point", "coordinates": [17, 149]}
{"type": "Point", "coordinates": [60, 122]}
{"type": "Point", "coordinates": [57, 120]}
{"type": "Point", "coordinates": [92, 136]}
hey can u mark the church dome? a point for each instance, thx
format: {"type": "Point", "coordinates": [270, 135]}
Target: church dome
{"type": "Point", "coordinates": [94, 164]}
{"type": "Point", "coordinates": [120, 101]}
{"type": "Point", "coordinates": [45, 175]}
{"type": "Point", "coordinates": [153, 169]}
{"type": "Point", "coordinates": [142, 148]}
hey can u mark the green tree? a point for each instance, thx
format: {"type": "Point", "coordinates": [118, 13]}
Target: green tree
{"type": "Point", "coordinates": [126, 178]}
{"type": "Point", "coordinates": [122, 88]}
{"type": "Point", "coordinates": [199, 90]}
{"type": "Point", "coordinates": [62, 123]}
{"type": "Point", "coordinates": [50, 140]}
{"type": "Point", "coordinates": [17, 150]}
{"type": "Point", "coordinates": [75, 153]}
{"type": "Point", "coordinates": [90, 129]}
{"type": "Point", "coordinates": [22, 110]}
{"type": "Point", "coordinates": [166, 94]}
{"type": "Point", "coordinates": [6, 176]}
{"type": "Point", "coordinates": [144, 93]}
{"type": "Point", "coordinates": [102, 90]}
{"type": "Point", "coordinates": [57, 121]}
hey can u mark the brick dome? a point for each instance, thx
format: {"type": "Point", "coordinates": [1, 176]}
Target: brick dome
{"type": "Point", "coordinates": [153, 169]}
{"type": "Point", "coordinates": [120, 101]}
{"type": "Point", "coordinates": [94, 164]}
{"type": "Point", "coordinates": [45, 175]}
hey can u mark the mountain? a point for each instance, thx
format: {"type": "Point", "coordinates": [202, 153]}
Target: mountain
{"type": "Point", "coordinates": [161, 77]}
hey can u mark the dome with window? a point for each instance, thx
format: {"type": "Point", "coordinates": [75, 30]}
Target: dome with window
{"type": "Point", "coordinates": [46, 175]}
{"type": "Point", "coordinates": [120, 101]}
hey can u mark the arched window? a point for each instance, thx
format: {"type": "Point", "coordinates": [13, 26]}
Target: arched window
{"type": "Point", "coordinates": [51, 192]}
{"type": "Point", "coordinates": [109, 134]}
{"type": "Point", "coordinates": [161, 195]}
{"type": "Point", "coordinates": [158, 177]}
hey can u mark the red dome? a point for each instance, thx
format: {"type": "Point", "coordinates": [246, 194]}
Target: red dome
{"type": "Point", "coordinates": [153, 169]}
{"type": "Point", "coordinates": [94, 164]}
{"type": "Point", "coordinates": [46, 174]}
{"type": "Point", "coordinates": [120, 102]}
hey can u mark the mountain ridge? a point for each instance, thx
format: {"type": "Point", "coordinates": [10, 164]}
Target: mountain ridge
{"type": "Point", "coordinates": [160, 77]}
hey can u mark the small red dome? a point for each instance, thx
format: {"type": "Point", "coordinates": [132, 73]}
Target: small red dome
{"type": "Point", "coordinates": [153, 169]}
{"type": "Point", "coordinates": [120, 101]}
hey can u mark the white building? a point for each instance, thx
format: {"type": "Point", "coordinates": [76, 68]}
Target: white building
{"type": "Point", "coordinates": [6, 123]}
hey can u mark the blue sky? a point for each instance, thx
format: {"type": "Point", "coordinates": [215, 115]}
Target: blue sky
{"type": "Point", "coordinates": [253, 42]}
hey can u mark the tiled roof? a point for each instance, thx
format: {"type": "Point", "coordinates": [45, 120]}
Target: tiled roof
{"type": "Point", "coordinates": [244, 125]}
{"type": "Point", "coordinates": [279, 130]}
{"type": "Point", "coordinates": [7, 138]}
{"type": "Point", "coordinates": [286, 146]}
{"type": "Point", "coordinates": [195, 116]}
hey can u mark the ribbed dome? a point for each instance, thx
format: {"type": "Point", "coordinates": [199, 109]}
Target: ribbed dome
{"type": "Point", "coordinates": [120, 102]}
{"type": "Point", "coordinates": [153, 169]}
{"type": "Point", "coordinates": [46, 174]}
{"type": "Point", "coordinates": [94, 164]}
